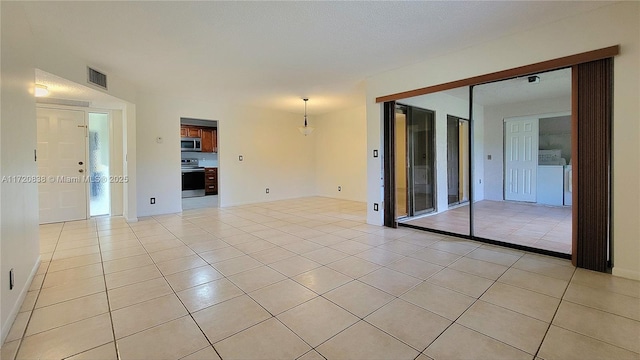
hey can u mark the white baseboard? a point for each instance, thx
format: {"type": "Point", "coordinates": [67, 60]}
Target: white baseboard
{"type": "Point", "coordinates": [625, 273]}
{"type": "Point", "coordinates": [131, 220]}
{"type": "Point", "coordinates": [6, 327]}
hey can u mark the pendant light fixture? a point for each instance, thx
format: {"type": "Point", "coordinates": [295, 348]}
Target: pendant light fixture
{"type": "Point", "coordinates": [306, 130]}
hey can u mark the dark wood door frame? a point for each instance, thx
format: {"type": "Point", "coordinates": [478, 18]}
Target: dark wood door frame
{"type": "Point", "coordinates": [389, 164]}
{"type": "Point", "coordinates": [555, 64]}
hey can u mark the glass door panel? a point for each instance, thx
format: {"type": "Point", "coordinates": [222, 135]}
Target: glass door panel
{"type": "Point", "coordinates": [99, 189]}
{"type": "Point", "coordinates": [421, 155]}
{"type": "Point", "coordinates": [401, 164]}
{"type": "Point", "coordinates": [429, 161]}
{"type": "Point", "coordinates": [524, 158]}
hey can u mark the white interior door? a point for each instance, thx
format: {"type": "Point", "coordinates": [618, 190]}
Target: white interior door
{"type": "Point", "coordinates": [62, 165]}
{"type": "Point", "coordinates": [521, 159]}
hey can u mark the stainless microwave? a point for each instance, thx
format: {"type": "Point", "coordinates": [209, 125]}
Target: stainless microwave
{"type": "Point", "coordinates": [190, 144]}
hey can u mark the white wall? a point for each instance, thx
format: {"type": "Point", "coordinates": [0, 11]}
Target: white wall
{"type": "Point", "coordinates": [21, 54]}
{"type": "Point", "coordinates": [117, 161]}
{"type": "Point", "coordinates": [613, 24]}
{"type": "Point", "coordinates": [130, 203]}
{"type": "Point", "coordinates": [19, 238]}
{"type": "Point", "coordinates": [341, 146]}
{"type": "Point", "coordinates": [275, 154]}
{"type": "Point", "coordinates": [494, 136]}
{"type": "Point", "coordinates": [479, 149]}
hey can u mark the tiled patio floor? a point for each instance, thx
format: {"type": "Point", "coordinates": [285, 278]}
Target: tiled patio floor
{"type": "Point", "coordinates": [538, 226]}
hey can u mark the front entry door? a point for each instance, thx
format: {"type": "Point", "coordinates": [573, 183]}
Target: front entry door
{"type": "Point", "coordinates": [521, 159]}
{"type": "Point", "coordinates": [61, 165]}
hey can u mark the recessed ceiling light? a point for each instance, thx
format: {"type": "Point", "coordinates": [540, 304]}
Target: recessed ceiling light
{"type": "Point", "coordinates": [41, 90]}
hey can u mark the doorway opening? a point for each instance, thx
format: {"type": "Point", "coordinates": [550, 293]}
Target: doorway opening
{"type": "Point", "coordinates": [200, 165]}
{"type": "Point", "coordinates": [74, 156]}
{"type": "Point", "coordinates": [84, 151]}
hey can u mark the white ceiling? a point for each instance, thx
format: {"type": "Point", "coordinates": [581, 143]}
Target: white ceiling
{"type": "Point", "coordinates": [553, 84]}
{"type": "Point", "coordinates": [271, 54]}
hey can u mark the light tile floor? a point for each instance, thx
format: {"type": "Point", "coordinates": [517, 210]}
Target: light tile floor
{"type": "Point", "coordinates": [537, 226]}
{"type": "Point", "coordinates": [308, 279]}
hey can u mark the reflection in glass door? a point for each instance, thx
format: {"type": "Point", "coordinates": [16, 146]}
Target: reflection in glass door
{"type": "Point", "coordinates": [418, 160]}
{"type": "Point", "coordinates": [402, 204]}
{"type": "Point", "coordinates": [457, 160]}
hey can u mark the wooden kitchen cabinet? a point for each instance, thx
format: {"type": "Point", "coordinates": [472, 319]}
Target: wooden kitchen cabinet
{"type": "Point", "coordinates": [210, 140]}
{"type": "Point", "coordinates": [211, 181]}
{"type": "Point", "coordinates": [215, 140]}
{"type": "Point", "coordinates": [190, 131]}
{"type": "Point", "coordinates": [208, 135]}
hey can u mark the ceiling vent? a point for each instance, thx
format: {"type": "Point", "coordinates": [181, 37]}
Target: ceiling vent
{"type": "Point", "coordinates": [96, 78]}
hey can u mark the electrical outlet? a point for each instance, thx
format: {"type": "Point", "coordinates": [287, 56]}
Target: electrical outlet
{"type": "Point", "coordinates": [375, 206]}
{"type": "Point", "coordinates": [152, 201]}
{"type": "Point", "coordinates": [339, 188]}
{"type": "Point", "coordinates": [240, 158]}
{"type": "Point", "coordinates": [267, 190]}
{"type": "Point", "coordinates": [11, 280]}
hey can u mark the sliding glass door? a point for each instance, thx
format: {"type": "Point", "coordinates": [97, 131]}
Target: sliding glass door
{"type": "Point", "coordinates": [562, 214]}
{"type": "Point", "coordinates": [415, 161]}
{"type": "Point", "coordinates": [479, 138]}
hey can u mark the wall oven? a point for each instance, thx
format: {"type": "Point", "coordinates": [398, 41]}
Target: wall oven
{"type": "Point", "coordinates": [190, 144]}
{"type": "Point", "coordinates": [192, 178]}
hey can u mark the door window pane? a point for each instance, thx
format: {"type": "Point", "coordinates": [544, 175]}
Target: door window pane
{"type": "Point", "coordinates": [99, 189]}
